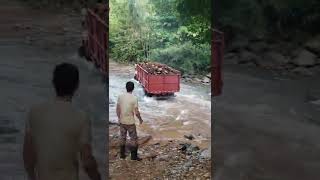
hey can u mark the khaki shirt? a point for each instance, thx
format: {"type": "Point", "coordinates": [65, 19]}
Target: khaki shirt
{"type": "Point", "coordinates": [58, 131]}
{"type": "Point", "coordinates": [127, 103]}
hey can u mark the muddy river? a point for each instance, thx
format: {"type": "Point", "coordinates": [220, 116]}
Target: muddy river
{"type": "Point", "coordinates": [187, 112]}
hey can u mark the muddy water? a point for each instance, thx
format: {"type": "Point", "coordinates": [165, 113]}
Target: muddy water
{"type": "Point", "coordinates": [188, 112]}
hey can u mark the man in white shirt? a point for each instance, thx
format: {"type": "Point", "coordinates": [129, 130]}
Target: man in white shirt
{"type": "Point", "coordinates": [57, 133]}
{"type": "Point", "coordinates": [127, 108]}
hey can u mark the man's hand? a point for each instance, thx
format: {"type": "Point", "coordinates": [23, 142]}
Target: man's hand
{"type": "Point", "coordinates": [89, 162]}
{"type": "Point", "coordinates": [137, 112]}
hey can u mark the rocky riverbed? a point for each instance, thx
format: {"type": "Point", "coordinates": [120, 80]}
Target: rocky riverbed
{"type": "Point", "coordinates": [163, 160]}
{"type": "Point", "coordinates": [299, 58]}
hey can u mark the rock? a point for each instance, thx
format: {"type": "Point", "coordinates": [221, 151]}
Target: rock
{"type": "Point", "coordinates": [206, 154]}
{"type": "Point", "coordinates": [246, 57]}
{"type": "Point", "coordinates": [230, 58]}
{"type": "Point", "coordinates": [207, 175]}
{"type": "Point", "coordinates": [208, 75]}
{"type": "Point", "coordinates": [205, 80]}
{"type": "Point", "coordinates": [276, 58]}
{"type": "Point", "coordinates": [317, 102]}
{"type": "Point", "coordinates": [190, 137]}
{"type": "Point", "coordinates": [313, 45]}
{"type": "Point", "coordinates": [302, 71]}
{"type": "Point", "coordinates": [238, 44]}
{"type": "Point", "coordinates": [305, 58]}
{"type": "Point", "coordinates": [163, 158]}
{"type": "Point", "coordinates": [258, 47]}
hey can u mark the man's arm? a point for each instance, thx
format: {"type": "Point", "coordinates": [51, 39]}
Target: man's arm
{"type": "Point", "coordinates": [137, 112]}
{"type": "Point", "coordinates": [29, 155]}
{"type": "Point", "coordinates": [88, 161]}
{"type": "Point", "coordinates": [118, 111]}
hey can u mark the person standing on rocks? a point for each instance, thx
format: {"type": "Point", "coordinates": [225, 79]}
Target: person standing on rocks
{"type": "Point", "coordinates": [127, 107]}
{"type": "Point", "coordinates": [56, 134]}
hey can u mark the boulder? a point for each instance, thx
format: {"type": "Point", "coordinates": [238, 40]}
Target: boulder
{"type": "Point", "coordinates": [246, 57]}
{"type": "Point", "coordinates": [258, 47]}
{"type": "Point", "coordinates": [230, 58]}
{"type": "Point", "coordinates": [238, 44]}
{"type": "Point", "coordinates": [276, 58]}
{"type": "Point", "coordinates": [314, 45]}
{"type": "Point", "coordinates": [305, 58]}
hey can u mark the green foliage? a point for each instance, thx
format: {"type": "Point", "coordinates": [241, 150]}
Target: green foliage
{"type": "Point", "coordinates": [269, 17]}
{"type": "Point", "coordinates": [160, 30]}
{"type": "Point", "coordinates": [185, 57]}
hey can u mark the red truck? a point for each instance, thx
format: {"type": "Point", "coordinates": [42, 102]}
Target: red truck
{"type": "Point", "coordinates": [157, 79]}
{"type": "Point", "coordinates": [95, 38]}
{"type": "Point", "coordinates": [217, 47]}
{"type": "Point", "coordinates": [95, 49]}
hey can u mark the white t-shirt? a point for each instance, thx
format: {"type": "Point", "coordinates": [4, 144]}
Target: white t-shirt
{"type": "Point", "coordinates": [127, 103]}
{"type": "Point", "coordinates": [58, 131]}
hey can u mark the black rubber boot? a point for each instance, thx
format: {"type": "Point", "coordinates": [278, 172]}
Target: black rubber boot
{"type": "Point", "coordinates": [122, 151]}
{"type": "Point", "coordinates": [134, 154]}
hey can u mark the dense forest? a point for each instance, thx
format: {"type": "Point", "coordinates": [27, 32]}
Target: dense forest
{"type": "Point", "coordinates": [174, 32]}
{"type": "Point", "coordinates": [281, 18]}
{"type": "Point", "coordinates": [177, 32]}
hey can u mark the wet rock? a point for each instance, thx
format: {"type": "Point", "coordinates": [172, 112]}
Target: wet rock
{"type": "Point", "coordinates": [305, 58]}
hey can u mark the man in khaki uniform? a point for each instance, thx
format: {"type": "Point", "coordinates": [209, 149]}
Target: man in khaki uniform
{"type": "Point", "coordinates": [56, 134]}
{"type": "Point", "coordinates": [127, 107]}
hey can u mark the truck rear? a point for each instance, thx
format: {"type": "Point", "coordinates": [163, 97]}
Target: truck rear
{"type": "Point", "coordinates": [96, 36]}
{"type": "Point", "coordinates": [157, 79]}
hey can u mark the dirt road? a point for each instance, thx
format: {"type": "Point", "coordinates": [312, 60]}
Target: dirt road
{"type": "Point", "coordinates": [32, 42]}
{"type": "Point", "coordinates": [266, 127]}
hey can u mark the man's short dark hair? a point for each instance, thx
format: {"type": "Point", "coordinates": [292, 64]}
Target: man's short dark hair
{"type": "Point", "coordinates": [129, 86]}
{"type": "Point", "coordinates": [65, 79]}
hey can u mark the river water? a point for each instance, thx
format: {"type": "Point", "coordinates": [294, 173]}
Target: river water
{"type": "Point", "coordinates": [187, 112]}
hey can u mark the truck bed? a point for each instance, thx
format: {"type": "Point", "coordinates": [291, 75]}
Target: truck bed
{"type": "Point", "coordinates": [158, 79]}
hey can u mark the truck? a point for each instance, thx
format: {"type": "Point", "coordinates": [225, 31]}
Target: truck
{"type": "Point", "coordinates": [95, 37]}
{"type": "Point", "coordinates": [95, 49]}
{"type": "Point", "coordinates": [217, 47]}
{"type": "Point", "coordinates": [157, 79]}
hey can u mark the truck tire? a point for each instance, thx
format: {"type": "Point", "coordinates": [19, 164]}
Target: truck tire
{"type": "Point", "coordinates": [147, 94]}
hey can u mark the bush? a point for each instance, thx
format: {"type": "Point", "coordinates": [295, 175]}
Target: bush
{"type": "Point", "coordinates": [185, 57]}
